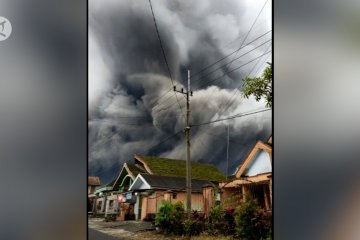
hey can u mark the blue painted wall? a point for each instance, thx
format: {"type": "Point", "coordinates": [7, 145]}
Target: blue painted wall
{"type": "Point", "coordinates": [260, 164]}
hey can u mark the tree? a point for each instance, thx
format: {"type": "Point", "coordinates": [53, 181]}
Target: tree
{"type": "Point", "coordinates": [259, 86]}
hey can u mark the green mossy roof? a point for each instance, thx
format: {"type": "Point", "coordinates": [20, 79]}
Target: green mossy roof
{"type": "Point", "coordinates": [177, 168]}
{"type": "Point", "coordinates": [135, 170]}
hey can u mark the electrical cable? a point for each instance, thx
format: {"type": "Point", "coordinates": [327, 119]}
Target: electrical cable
{"type": "Point", "coordinates": [232, 117]}
{"type": "Point", "coordinates": [163, 52]}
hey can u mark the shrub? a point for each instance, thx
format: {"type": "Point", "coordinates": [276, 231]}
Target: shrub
{"type": "Point", "coordinates": [252, 222]}
{"type": "Point", "coordinates": [187, 224]}
{"type": "Point", "coordinates": [215, 221]}
{"type": "Point", "coordinates": [195, 225]}
{"type": "Point", "coordinates": [170, 217]}
{"type": "Point", "coordinates": [178, 218]}
{"type": "Point", "coordinates": [230, 222]}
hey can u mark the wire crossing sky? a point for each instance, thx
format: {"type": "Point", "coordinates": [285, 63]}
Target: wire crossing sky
{"type": "Point", "coordinates": [138, 50]}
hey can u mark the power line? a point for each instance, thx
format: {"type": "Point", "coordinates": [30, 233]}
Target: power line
{"type": "Point", "coordinates": [161, 45]}
{"type": "Point", "coordinates": [166, 107]}
{"type": "Point", "coordinates": [161, 104]}
{"type": "Point", "coordinates": [245, 37]}
{"type": "Point", "coordinates": [237, 91]}
{"type": "Point", "coordinates": [161, 142]}
{"type": "Point", "coordinates": [197, 73]}
{"type": "Point", "coordinates": [238, 50]}
{"type": "Point", "coordinates": [223, 138]}
{"type": "Point", "coordinates": [199, 79]}
{"type": "Point", "coordinates": [233, 70]}
{"type": "Point", "coordinates": [231, 100]}
{"type": "Point", "coordinates": [163, 52]}
{"type": "Point", "coordinates": [165, 102]}
{"type": "Point", "coordinates": [232, 117]}
{"type": "Point", "coordinates": [163, 95]}
{"type": "Point", "coordinates": [257, 71]}
{"type": "Point", "coordinates": [250, 29]}
{"type": "Point", "coordinates": [255, 65]}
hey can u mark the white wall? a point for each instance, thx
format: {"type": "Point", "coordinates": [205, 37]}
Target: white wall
{"type": "Point", "coordinates": [102, 208]}
{"type": "Point", "coordinates": [260, 164]}
{"type": "Point", "coordinates": [114, 209]}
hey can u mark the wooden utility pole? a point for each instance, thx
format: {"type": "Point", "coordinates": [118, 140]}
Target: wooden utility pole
{"type": "Point", "coordinates": [227, 153]}
{"type": "Point", "coordinates": [188, 93]}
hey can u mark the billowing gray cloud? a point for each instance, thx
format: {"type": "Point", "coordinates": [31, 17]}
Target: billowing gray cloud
{"type": "Point", "coordinates": [131, 104]}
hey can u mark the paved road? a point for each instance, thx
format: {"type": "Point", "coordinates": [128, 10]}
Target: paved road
{"type": "Point", "coordinates": [96, 235]}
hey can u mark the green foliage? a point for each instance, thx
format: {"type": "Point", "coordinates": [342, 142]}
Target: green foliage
{"type": "Point", "coordinates": [187, 224]}
{"type": "Point", "coordinates": [259, 86]}
{"type": "Point", "coordinates": [177, 168]}
{"type": "Point", "coordinates": [195, 225]}
{"type": "Point", "coordinates": [170, 218]}
{"type": "Point", "coordinates": [252, 222]}
{"type": "Point", "coordinates": [216, 220]}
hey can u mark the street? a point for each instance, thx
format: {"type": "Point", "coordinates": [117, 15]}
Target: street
{"type": "Point", "coordinates": [96, 235]}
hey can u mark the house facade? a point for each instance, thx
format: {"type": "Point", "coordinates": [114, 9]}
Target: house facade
{"type": "Point", "coordinates": [254, 177]}
{"type": "Point", "coordinates": [93, 183]}
{"type": "Point", "coordinates": [138, 190]}
{"type": "Point", "coordinates": [151, 190]}
{"type": "Point", "coordinates": [114, 197]}
{"type": "Point", "coordinates": [165, 179]}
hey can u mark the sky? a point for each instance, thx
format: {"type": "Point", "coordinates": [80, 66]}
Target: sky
{"type": "Point", "coordinates": [132, 107]}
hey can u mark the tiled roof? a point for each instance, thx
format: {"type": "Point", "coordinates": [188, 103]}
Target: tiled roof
{"type": "Point", "coordinates": [177, 168]}
{"type": "Point", "coordinates": [174, 183]}
{"type": "Point", "coordinates": [94, 181]}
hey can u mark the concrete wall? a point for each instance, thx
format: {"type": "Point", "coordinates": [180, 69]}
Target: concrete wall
{"type": "Point", "coordinates": [112, 205]}
{"type": "Point", "coordinates": [100, 205]}
{"type": "Point", "coordinates": [144, 201]}
{"type": "Point", "coordinates": [152, 203]}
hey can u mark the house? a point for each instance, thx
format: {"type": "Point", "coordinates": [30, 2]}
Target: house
{"type": "Point", "coordinates": [111, 196]}
{"type": "Point", "coordinates": [125, 201]}
{"type": "Point", "coordinates": [151, 190]}
{"type": "Point", "coordinates": [165, 179]}
{"type": "Point", "coordinates": [254, 176]}
{"type": "Point", "coordinates": [101, 198]}
{"type": "Point", "coordinates": [93, 183]}
{"type": "Point", "coordinates": [140, 187]}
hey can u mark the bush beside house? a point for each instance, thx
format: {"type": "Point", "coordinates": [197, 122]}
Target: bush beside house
{"type": "Point", "coordinates": [247, 222]}
{"type": "Point", "coordinates": [252, 222]}
{"type": "Point", "coordinates": [170, 218]}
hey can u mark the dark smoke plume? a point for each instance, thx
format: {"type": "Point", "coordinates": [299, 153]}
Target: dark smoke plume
{"type": "Point", "coordinates": [128, 75]}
